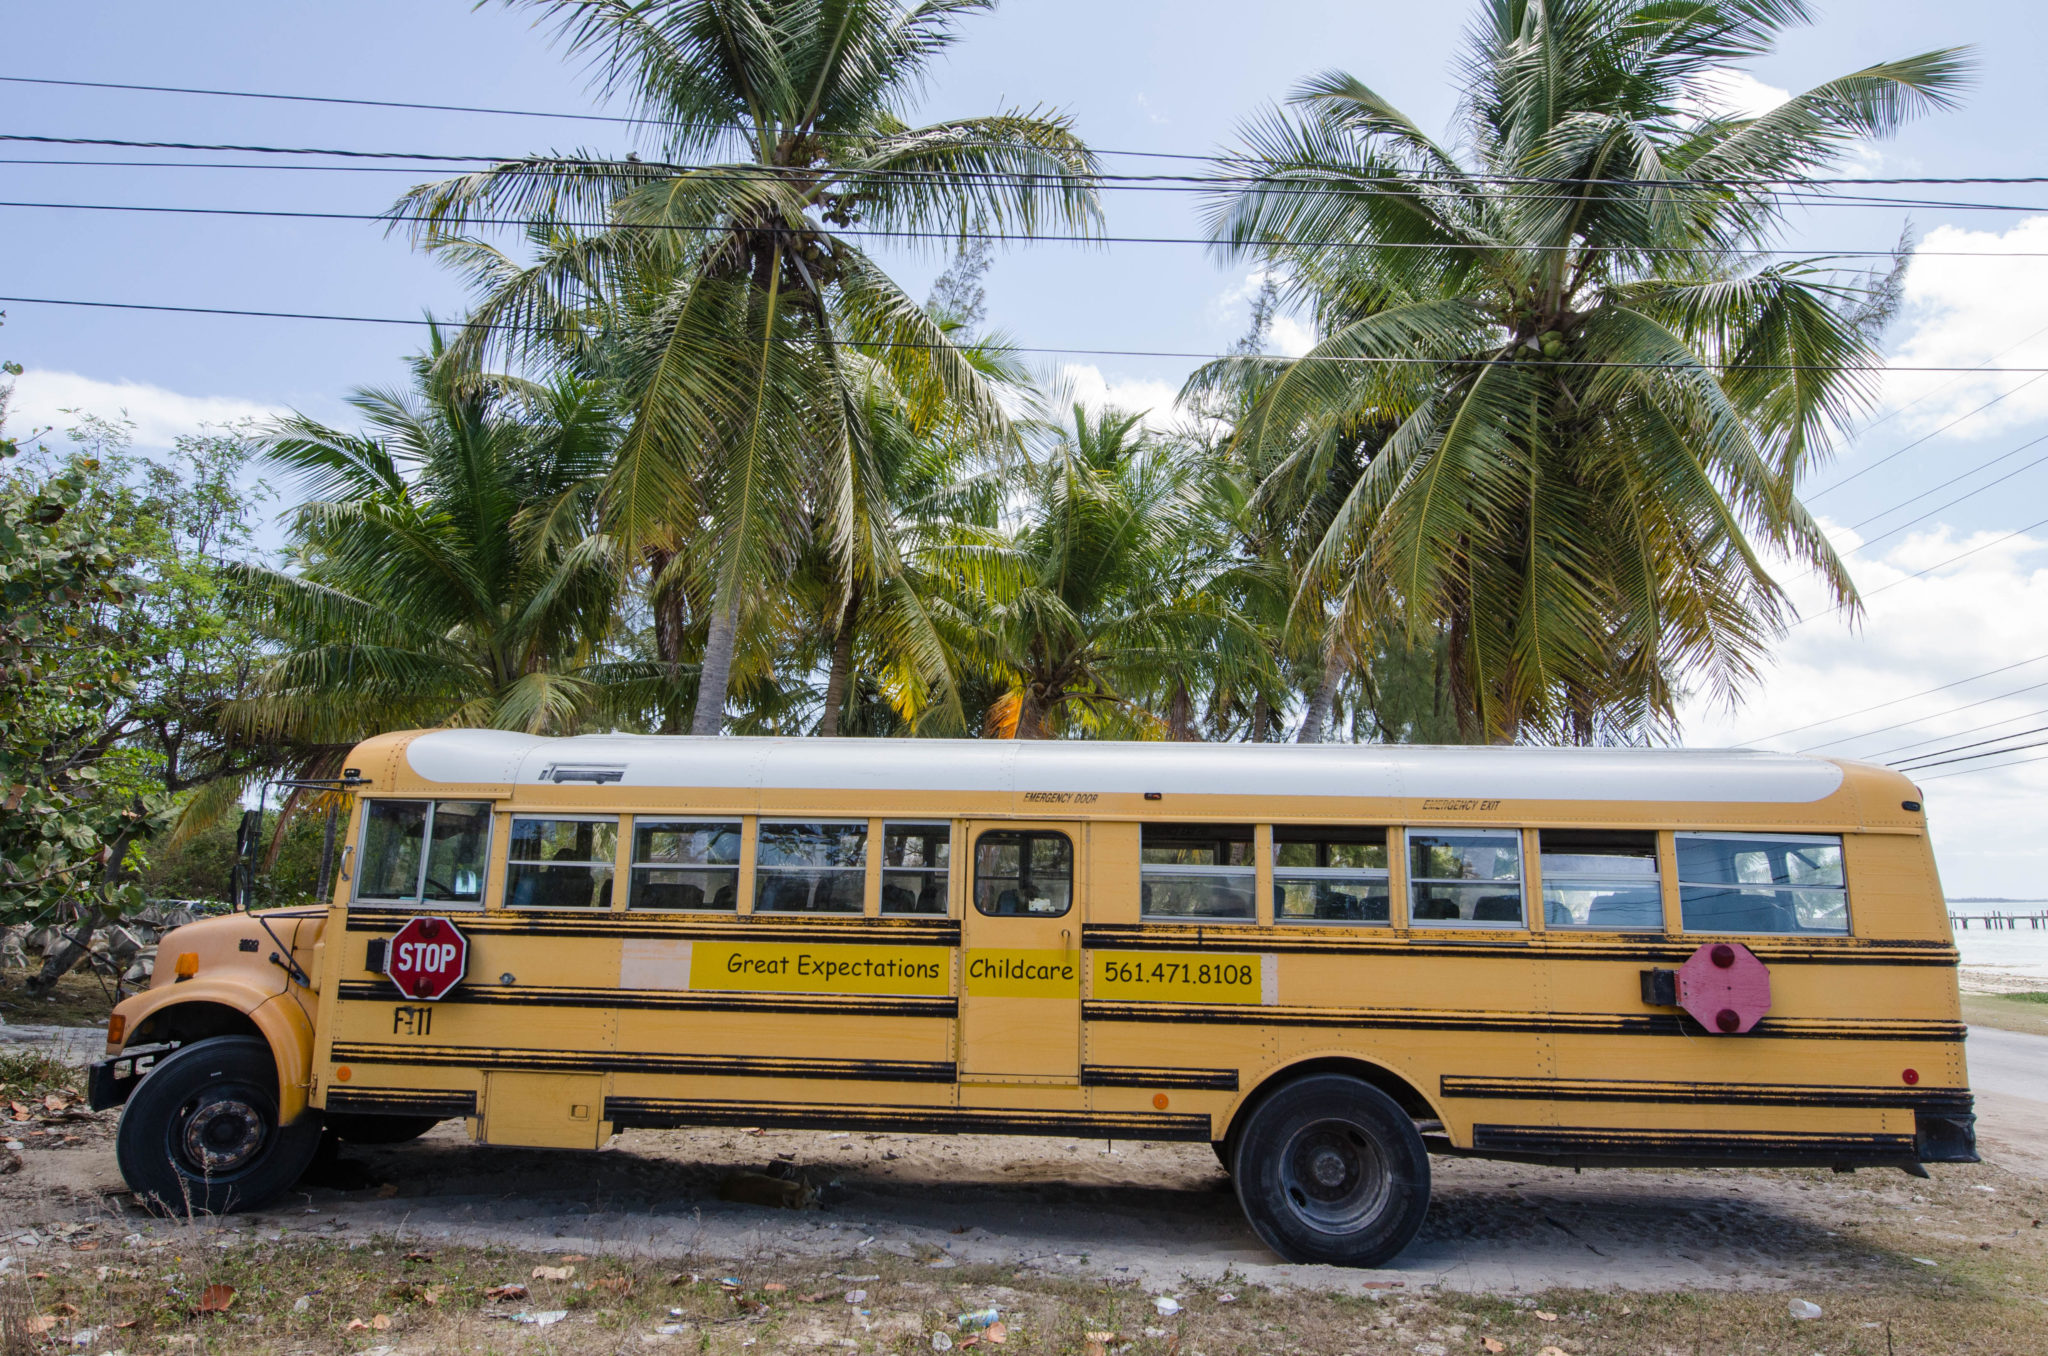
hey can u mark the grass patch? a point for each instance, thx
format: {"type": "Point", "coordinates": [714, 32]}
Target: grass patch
{"type": "Point", "coordinates": [27, 1074]}
{"type": "Point", "coordinates": [2026, 1012]}
{"type": "Point", "coordinates": [2035, 996]}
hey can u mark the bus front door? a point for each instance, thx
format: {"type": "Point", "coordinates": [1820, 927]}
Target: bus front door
{"type": "Point", "coordinates": [1020, 973]}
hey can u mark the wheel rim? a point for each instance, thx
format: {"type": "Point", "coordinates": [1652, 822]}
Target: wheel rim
{"type": "Point", "coordinates": [221, 1132]}
{"type": "Point", "coordinates": [1334, 1175]}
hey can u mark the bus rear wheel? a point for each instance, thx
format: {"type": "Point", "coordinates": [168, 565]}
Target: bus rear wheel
{"type": "Point", "coordinates": [1330, 1169]}
{"type": "Point", "coordinates": [200, 1133]}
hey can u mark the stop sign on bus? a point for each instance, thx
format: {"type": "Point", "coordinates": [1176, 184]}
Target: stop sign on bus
{"type": "Point", "coordinates": [427, 958]}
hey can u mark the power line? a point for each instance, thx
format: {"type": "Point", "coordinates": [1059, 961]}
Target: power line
{"type": "Point", "coordinates": [1937, 432]}
{"type": "Point", "coordinates": [1834, 720]}
{"type": "Point", "coordinates": [465, 220]}
{"type": "Point", "coordinates": [1115, 183]}
{"type": "Point", "coordinates": [1964, 772]}
{"type": "Point", "coordinates": [627, 120]}
{"type": "Point", "coordinates": [1020, 348]}
{"type": "Point", "coordinates": [1978, 744]}
{"type": "Point", "coordinates": [1952, 734]}
{"type": "Point", "coordinates": [1918, 720]}
{"type": "Point", "coordinates": [1989, 484]}
{"type": "Point", "coordinates": [1904, 579]}
{"type": "Point", "coordinates": [1461, 186]}
{"type": "Point", "coordinates": [1995, 753]}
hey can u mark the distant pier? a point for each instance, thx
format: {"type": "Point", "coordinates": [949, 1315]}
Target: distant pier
{"type": "Point", "coordinates": [1992, 922]}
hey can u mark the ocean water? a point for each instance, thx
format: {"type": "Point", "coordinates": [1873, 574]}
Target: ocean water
{"type": "Point", "coordinates": [2021, 952]}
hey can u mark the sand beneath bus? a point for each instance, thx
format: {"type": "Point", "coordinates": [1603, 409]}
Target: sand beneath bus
{"type": "Point", "coordinates": [1155, 1214]}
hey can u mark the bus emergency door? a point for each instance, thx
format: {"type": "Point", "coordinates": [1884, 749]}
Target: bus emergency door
{"type": "Point", "coordinates": [1020, 938]}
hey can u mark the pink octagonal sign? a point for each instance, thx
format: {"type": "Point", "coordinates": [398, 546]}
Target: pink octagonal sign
{"type": "Point", "coordinates": [1725, 988]}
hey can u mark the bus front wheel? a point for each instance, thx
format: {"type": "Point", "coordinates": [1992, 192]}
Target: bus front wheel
{"type": "Point", "coordinates": [200, 1133]}
{"type": "Point", "coordinates": [1330, 1169]}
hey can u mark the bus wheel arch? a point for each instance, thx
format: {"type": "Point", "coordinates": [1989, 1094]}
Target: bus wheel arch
{"type": "Point", "coordinates": [1402, 1089]}
{"type": "Point", "coordinates": [277, 1021]}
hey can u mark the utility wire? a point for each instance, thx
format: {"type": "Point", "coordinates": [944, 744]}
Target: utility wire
{"type": "Point", "coordinates": [461, 220]}
{"type": "Point", "coordinates": [1978, 744]}
{"type": "Point", "coordinates": [626, 120]}
{"type": "Point", "coordinates": [1989, 484]}
{"type": "Point", "coordinates": [1905, 579]}
{"type": "Point", "coordinates": [1834, 720]}
{"type": "Point", "coordinates": [1952, 734]}
{"type": "Point", "coordinates": [1937, 432]}
{"type": "Point", "coordinates": [1453, 188]}
{"type": "Point", "coordinates": [1020, 348]}
{"type": "Point", "coordinates": [2017, 748]}
{"type": "Point", "coordinates": [1918, 720]}
{"type": "Point", "coordinates": [1964, 772]}
{"type": "Point", "coordinates": [1112, 183]}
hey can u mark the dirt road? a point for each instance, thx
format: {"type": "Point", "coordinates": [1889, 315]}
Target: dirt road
{"type": "Point", "coordinates": [1146, 1212]}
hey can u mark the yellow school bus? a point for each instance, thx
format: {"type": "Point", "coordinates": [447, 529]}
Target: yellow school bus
{"type": "Point", "coordinates": [1329, 962]}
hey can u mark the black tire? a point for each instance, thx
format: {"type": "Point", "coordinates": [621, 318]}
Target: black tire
{"type": "Point", "coordinates": [1330, 1169]}
{"type": "Point", "coordinates": [200, 1134]}
{"type": "Point", "coordinates": [1222, 1148]}
{"type": "Point", "coordinates": [360, 1129]}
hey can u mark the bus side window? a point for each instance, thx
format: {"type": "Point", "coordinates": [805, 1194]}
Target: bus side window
{"type": "Point", "coordinates": [561, 863]}
{"type": "Point", "coordinates": [1325, 874]}
{"type": "Point", "coordinates": [1600, 878]}
{"type": "Point", "coordinates": [1195, 871]}
{"type": "Point", "coordinates": [813, 866]}
{"type": "Point", "coordinates": [916, 859]}
{"type": "Point", "coordinates": [1762, 882]}
{"type": "Point", "coordinates": [424, 852]}
{"type": "Point", "coordinates": [1465, 877]}
{"type": "Point", "coordinates": [1023, 872]}
{"type": "Point", "coordinates": [681, 865]}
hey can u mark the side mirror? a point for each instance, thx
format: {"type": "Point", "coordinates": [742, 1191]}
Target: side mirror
{"type": "Point", "coordinates": [248, 842]}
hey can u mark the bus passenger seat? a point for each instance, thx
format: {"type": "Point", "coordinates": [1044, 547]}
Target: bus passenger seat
{"type": "Point", "coordinates": [1625, 909]}
{"type": "Point", "coordinates": [1497, 909]}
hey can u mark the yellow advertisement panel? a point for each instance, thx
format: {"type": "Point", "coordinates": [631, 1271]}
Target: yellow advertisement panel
{"type": "Point", "coordinates": [1176, 977]}
{"type": "Point", "coordinates": [994, 972]}
{"type": "Point", "coordinates": [803, 967]}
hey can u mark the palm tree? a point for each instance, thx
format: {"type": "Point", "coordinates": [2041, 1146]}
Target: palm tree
{"type": "Point", "coordinates": [450, 570]}
{"type": "Point", "coordinates": [741, 284]}
{"type": "Point", "coordinates": [1104, 601]}
{"type": "Point", "coordinates": [1583, 404]}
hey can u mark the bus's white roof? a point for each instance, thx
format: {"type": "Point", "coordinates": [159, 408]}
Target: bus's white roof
{"type": "Point", "coordinates": [1349, 770]}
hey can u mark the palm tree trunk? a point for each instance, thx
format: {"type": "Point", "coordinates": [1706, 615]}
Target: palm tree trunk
{"type": "Point", "coordinates": [716, 674]}
{"type": "Point", "coordinates": [1180, 715]}
{"type": "Point", "coordinates": [842, 664]}
{"type": "Point", "coordinates": [1321, 703]}
{"type": "Point", "coordinates": [1030, 714]}
{"type": "Point", "coordinates": [1262, 719]}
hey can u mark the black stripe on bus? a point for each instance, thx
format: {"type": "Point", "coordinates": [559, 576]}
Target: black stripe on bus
{"type": "Point", "coordinates": [445, 1103]}
{"type": "Point", "coordinates": [1709, 1094]}
{"type": "Point", "coordinates": [570, 1061]}
{"type": "Point", "coordinates": [1559, 1023]}
{"type": "Point", "coordinates": [674, 1000]}
{"type": "Point", "coordinates": [1685, 1147]}
{"type": "Point", "coordinates": [1134, 1076]}
{"type": "Point", "coordinates": [660, 1113]}
{"type": "Point", "coordinates": [1248, 938]}
{"type": "Point", "coordinates": [820, 929]}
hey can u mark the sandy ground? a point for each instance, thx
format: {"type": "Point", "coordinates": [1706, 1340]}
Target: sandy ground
{"type": "Point", "coordinates": [1145, 1212]}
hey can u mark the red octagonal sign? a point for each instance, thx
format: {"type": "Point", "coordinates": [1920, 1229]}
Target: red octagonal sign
{"type": "Point", "coordinates": [427, 958]}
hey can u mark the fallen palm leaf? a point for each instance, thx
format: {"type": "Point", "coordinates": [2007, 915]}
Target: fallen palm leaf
{"type": "Point", "coordinates": [215, 1299]}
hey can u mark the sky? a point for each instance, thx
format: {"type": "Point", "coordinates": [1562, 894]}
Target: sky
{"type": "Point", "coordinates": [1935, 493]}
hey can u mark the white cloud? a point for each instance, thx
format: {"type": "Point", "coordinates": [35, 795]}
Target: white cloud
{"type": "Point", "coordinates": [43, 398]}
{"type": "Point", "coordinates": [1729, 92]}
{"type": "Point", "coordinates": [1292, 337]}
{"type": "Point", "coordinates": [1133, 395]}
{"type": "Point", "coordinates": [1981, 614]}
{"type": "Point", "coordinates": [1144, 106]}
{"type": "Point", "coordinates": [1964, 312]}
